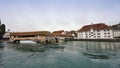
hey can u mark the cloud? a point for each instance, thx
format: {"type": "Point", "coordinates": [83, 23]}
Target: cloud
{"type": "Point", "coordinates": [29, 15]}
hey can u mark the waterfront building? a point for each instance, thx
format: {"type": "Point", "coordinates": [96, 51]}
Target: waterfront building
{"type": "Point", "coordinates": [95, 31]}
{"type": "Point", "coordinates": [116, 33]}
{"type": "Point", "coordinates": [59, 32]}
{"type": "Point", "coordinates": [62, 34]}
{"type": "Point", "coordinates": [116, 30]}
{"type": "Point", "coordinates": [72, 32]}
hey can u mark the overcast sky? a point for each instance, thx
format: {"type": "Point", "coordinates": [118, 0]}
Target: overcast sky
{"type": "Point", "coordinates": [30, 15]}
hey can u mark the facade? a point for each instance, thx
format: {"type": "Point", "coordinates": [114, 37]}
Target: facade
{"type": "Point", "coordinates": [116, 33]}
{"type": "Point", "coordinates": [95, 31]}
{"type": "Point", "coordinates": [73, 33]}
{"type": "Point", "coordinates": [62, 34]}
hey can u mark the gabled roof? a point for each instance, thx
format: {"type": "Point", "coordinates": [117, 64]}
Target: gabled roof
{"type": "Point", "coordinates": [29, 33]}
{"type": "Point", "coordinates": [59, 31]}
{"type": "Point", "coordinates": [99, 26]}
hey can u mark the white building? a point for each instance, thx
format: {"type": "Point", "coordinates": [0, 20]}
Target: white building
{"type": "Point", "coordinates": [95, 31]}
{"type": "Point", "coordinates": [6, 35]}
{"type": "Point", "coordinates": [116, 33]}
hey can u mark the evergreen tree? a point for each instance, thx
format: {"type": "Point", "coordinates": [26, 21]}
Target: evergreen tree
{"type": "Point", "coordinates": [0, 22]}
{"type": "Point", "coordinates": [2, 29]}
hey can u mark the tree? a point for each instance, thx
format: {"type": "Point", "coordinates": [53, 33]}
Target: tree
{"type": "Point", "coordinates": [2, 29]}
{"type": "Point", "coordinates": [0, 22]}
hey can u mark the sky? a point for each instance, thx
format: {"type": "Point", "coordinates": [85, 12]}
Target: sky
{"type": "Point", "coordinates": [51, 15]}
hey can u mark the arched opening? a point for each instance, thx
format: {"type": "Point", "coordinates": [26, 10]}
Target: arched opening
{"type": "Point", "coordinates": [56, 39]}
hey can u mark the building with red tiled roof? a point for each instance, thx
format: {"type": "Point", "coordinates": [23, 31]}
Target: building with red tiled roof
{"type": "Point", "coordinates": [72, 32]}
{"type": "Point", "coordinates": [95, 31]}
{"type": "Point", "coordinates": [99, 26]}
{"type": "Point", "coordinates": [59, 32]}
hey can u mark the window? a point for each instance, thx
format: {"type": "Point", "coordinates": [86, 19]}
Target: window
{"type": "Point", "coordinates": [98, 33]}
{"type": "Point", "coordinates": [98, 36]}
{"type": "Point", "coordinates": [98, 30]}
{"type": "Point", "coordinates": [89, 36]}
{"type": "Point", "coordinates": [91, 32]}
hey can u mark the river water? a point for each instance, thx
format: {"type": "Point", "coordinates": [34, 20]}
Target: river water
{"type": "Point", "coordinates": [75, 54]}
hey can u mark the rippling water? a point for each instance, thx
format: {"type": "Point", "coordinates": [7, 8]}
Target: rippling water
{"type": "Point", "coordinates": [75, 54]}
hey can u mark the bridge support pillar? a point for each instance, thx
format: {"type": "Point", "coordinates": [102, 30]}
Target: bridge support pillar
{"type": "Point", "coordinates": [16, 41]}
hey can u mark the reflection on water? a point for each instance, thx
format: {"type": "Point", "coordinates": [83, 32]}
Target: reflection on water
{"type": "Point", "coordinates": [101, 50]}
{"type": "Point", "coordinates": [73, 54]}
{"type": "Point", "coordinates": [27, 42]}
{"type": "Point", "coordinates": [30, 47]}
{"type": "Point", "coordinates": [1, 44]}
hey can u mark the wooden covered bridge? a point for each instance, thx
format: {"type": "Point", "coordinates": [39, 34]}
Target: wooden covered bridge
{"type": "Point", "coordinates": [16, 37]}
{"type": "Point", "coordinates": [36, 36]}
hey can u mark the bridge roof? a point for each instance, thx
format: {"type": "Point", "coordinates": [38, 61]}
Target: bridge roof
{"type": "Point", "coordinates": [46, 33]}
{"type": "Point", "coordinates": [58, 32]}
{"type": "Point", "coordinates": [29, 33]}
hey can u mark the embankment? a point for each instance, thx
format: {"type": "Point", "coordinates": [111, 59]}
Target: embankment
{"type": "Point", "coordinates": [99, 40]}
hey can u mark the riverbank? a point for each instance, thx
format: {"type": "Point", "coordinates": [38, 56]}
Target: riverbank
{"type": "Point", "coordinates": [4, 40]}
{"type": "Point", "coordinates": [98, 40]}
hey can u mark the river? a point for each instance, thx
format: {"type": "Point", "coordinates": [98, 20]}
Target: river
{"type": "Point", "coordinates": [75, 54]}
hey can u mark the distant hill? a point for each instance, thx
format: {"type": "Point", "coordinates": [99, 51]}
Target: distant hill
{"type": "Point", "coordinates": [116, 26]}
